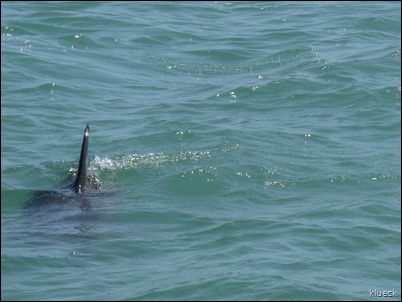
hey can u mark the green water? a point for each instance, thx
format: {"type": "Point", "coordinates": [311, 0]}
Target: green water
{"type": "Point", "coordinates": [251, 150]}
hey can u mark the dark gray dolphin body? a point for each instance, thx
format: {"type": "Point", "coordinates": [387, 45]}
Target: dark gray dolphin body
{"type": "Point", "coordinates": [73, 190]}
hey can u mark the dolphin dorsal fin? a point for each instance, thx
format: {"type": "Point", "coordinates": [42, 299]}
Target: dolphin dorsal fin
{"type": "Point", "coordinates": [81, 179]}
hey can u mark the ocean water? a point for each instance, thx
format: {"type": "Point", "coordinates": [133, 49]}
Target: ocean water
{"type": "Point", "coordinates": [246, 150]}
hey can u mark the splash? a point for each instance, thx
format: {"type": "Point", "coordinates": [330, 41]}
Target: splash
{"type": "Point", "coordinates": [133, 161]}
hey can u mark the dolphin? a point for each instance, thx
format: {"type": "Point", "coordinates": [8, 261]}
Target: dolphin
{"type": "Point", "coordinates": [79, 184]}
{"type": "Point", "coordinates": [74, 190]}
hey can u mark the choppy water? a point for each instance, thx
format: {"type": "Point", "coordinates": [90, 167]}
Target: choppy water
{"type": "Point", "coordinates": [252, 150]}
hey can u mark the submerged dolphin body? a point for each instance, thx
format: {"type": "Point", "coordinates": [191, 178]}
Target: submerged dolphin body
{"type": "Point", "coordinates": [73, 190]}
